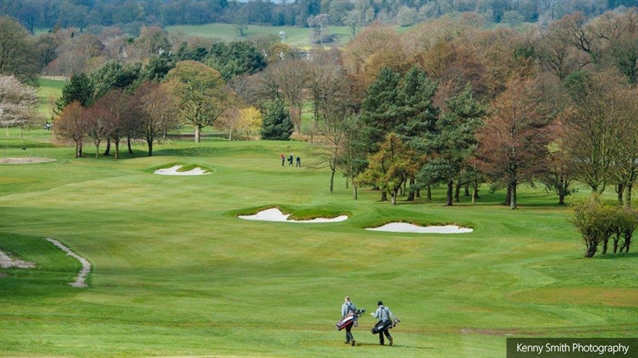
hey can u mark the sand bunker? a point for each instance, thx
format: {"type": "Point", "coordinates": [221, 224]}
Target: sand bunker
{"type": "Point", "coordinates": [80, 281]}
{"type": "Point", "coordinates": [7, 262]}
{"type": "Point", "coordinates": [276, 215]}
{"type": "Point", "coordinates": [174, 171]}
{"type": "Point", "coordinates": [33, 160]}
{"type": "Point", "coordinates": [404, 227]}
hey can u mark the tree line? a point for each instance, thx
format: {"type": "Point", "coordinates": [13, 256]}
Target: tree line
{"type": "Point", "coordinates": [133, 14]}
{"type": "Point", "coordinates": [451, 102]}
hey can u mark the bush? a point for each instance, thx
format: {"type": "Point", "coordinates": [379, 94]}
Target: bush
{"type": "Point", "coordinates": [597, 222]}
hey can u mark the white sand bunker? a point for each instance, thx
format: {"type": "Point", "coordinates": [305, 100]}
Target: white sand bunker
{"type": "Point", "coordinates": [80, 281]}
{"type": "Point", "coordinates": [411, 228]}
{"type": "Point", "coordinates": [30, 160]}
{"type": "Point", "coordinates": [275, 214]}
{"type": "Point", "coordinates": [174, 171]}
{"type": "Point", "coordinates": [7, 262]}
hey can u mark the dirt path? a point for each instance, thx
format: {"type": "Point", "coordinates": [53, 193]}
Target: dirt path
{"type": "Point", "coordinates": [7, 262]}
{"type": "Point", "coordinates": [80, 281]}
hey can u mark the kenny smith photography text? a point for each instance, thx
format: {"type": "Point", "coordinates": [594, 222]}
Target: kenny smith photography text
{"type": "Point", "coordinates": [571, 347]}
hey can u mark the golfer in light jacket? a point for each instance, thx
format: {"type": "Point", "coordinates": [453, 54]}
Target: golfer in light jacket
{"type": "Point", "coordinates": [385, 315]}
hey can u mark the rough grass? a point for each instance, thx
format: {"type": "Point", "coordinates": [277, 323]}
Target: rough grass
{"type": "Point", "coordinates": [177, 274]}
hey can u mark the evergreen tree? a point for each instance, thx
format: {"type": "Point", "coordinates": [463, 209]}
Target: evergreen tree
{"type": "Point", "coordinates": [380, 110]}
{"type": "Point", "coordinates": [79, 89]}
{"type": "Point", "coordinates": [276, 124]}
{"type": "Point", "coordinates": [453, 142]}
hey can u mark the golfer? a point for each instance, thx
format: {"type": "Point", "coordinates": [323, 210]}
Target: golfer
{"type": "Point", "coordinates": [349, 308]}
{"type": "Point", "coordinates": [385, 316]}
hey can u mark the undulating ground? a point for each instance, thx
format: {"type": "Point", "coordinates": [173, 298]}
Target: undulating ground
{"type": "Point", "coordinates": [176, 273]}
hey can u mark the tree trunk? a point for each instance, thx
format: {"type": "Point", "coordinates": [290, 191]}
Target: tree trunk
{"type": "Point", "coordinates": [150, 148]}
{"type": "Point", "coordinates": [513, 196]}
{"type": "Point", "coordinates": [198, 131]}
{"type": "Point", "coordinates": [450, 189]}
{"type": "Point", "coordinates": [508, 196]}
{"type": "Point", "coordinates": [467, 189]}
{"type": "Point", "coordinates": [429, 192]}
{"type": "Point", "coordinates": [616, 240]}
{"type": "Point", "coordinates": [354, 192]}
{"type": "Point", "coordinates": [117, 149]}
{"type": "Point", "coordinates": [107, 151]}
{"type": "Point", "coordinates": [628, 197]}
{"type": "Point", "coordinates": [97, 151]}
{"type": "Point", "coordinates": [605, 246]}
{"type": "Point", "coordinates": [620, 189]}
{"type": "Point", "coordinates": [332, 180]}
{"type": "Point", "coordinates": [474, 191]}
{"type": "Point", "coordinates": [128, 143]}
{"type": "Point", "coordinates": [561, 198]}
{"type": "Point", "coordinates": [347, 181]}
{"type": "Point", "coordinates": [393, 196]}
{"type": "Point", "coordinates": [384, 195]}
{"type": "Point", "coordinates": [457, 193]}
{"type": "Point", "coordinates": [411, 191]}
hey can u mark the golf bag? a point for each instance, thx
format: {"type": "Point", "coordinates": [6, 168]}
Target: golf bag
{"type": "Point", "coordinates": [349, 319]}
{"type": "Point", "coordinates": [383, 325]}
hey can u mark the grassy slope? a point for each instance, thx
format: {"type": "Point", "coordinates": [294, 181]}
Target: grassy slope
{"type": "Point", "coordinates": [49, 88]}
{"type": "Point", "coordinates": [176, 273]}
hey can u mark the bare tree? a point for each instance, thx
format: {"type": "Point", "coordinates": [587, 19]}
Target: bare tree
{"type": "Point", "coordinates": [71, 125]}
{"type": "Point", "coordinates": [513, 142]}
{"type": "Point", "coordinates": [157, 112]}
{"type": "Point", "coordinates": [287, 80]}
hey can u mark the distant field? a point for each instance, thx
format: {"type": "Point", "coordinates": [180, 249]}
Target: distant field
{"type": "Point", "coordinates": [295, 36]}
{"type": "Point", "coordinates": [50, 89]}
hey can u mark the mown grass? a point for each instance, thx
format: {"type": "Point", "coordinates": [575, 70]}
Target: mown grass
{"type": "Point", "coordinates": [49, 91]}
{"type": "Point", "coordinates": [176, 273]}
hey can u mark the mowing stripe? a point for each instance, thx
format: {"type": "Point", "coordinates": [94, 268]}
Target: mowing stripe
{"type": "Point", "coordinates": [80, 281]}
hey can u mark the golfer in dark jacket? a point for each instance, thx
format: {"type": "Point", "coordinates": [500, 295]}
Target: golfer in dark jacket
{"type": "Point", "coordinates": [385, 316]}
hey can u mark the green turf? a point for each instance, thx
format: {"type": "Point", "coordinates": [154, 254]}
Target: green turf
{"type": "Point", "coordinates": [50, 88]}
{"type": "Point", "coordinates": [176, 273]}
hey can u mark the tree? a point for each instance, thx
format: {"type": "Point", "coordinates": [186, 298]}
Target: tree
{"type": "Point", "coordinates": [625, 164]}
{"type": "Point", "coordinates": [333, 103]}
{"type": "Point", "coordinates": [235, 58]}
{"type": "Point", "coordinates": [99, 124]}
{"type": "Point", "coordinates": [202, 94]}
{"type": "Point", "coordinates": [156, 110]}
{"type": "Point", "coordinates": [560, 172]}
{"type": "Point", "coordinates": [593, 127]}
{"type": "Point", "coordinates": [79, 89]}
{"type": "Point", "coordinates": [120, 109]}
{"type": "Point", "coordinates": [276, 124]}
{"type": "Point", "coordinates": [452, 144]}
{"type": "Point", "coordinates": [18, 52]}
{"type": "Point", "coordinates": [379, 111]}
{"type": "Point", "coordinates": [512, 144]}
{"type": "Point", "coordinates": [391, 166]}
{"type": "Point", "coordinates": [18, 103]}
{"type": "Point", "coordinates": [71, 124]}
{"type": "Point", "coordinates": [240, 120]}
{"type": "Point", "coordinates": [286, 80]}
{"type": "Point", "coordinates": [114, 75]}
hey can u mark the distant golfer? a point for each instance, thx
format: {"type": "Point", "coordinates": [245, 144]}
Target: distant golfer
{"type": "Point", "coordinates": [385, 317]}
{"type": "Point", "coordinates": [298, 161]}
{"type": "Point", "coordinates": [283, 159]}
{"type": "Point", "coordinates": [291, 158]}
{"type": "Point", "coordinates": [349, 308]}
